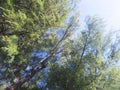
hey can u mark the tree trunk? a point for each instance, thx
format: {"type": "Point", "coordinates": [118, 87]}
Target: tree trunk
{"type": "Point", "coordinates": [17, 85]}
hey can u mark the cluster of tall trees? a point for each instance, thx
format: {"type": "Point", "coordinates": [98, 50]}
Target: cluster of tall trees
{"type": "Point", "coordinates": [38, 49]}
{"type": "Point", "coordinates": [88, 63]}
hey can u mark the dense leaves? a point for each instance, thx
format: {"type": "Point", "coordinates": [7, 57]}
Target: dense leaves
{"type": "Point", "coordinates": [25, 29]}
{"type": "Point", "coordinates": [84, 64]}
{"type": "Point", "coordinates": [33, 32]}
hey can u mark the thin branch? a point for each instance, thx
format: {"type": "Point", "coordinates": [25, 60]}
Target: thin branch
{"type": "Point", "coordinates": [82, 54]}
{"type": "Point", "coordinates": [56, 46]}
{"type": "Point", "coordinates": [43, 63]}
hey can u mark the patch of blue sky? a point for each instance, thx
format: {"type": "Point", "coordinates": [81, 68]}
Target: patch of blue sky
{"type": "Point", "coordinates": [42, 83]}
{"type": "Point", "coordinates": [45, 70]}
{"type": "Point", "coordinates": [29, 68]}
{"type": "Point", "coordinates": [25, 75]}
{"type": "Point", "coordinates": [3, 69]}
{"type": "Point", "coordinates": [8, 84]}
{"type": "Point", "coordinates": [106, 9]}
{"type": "Point", "coordinates": [40, 54]}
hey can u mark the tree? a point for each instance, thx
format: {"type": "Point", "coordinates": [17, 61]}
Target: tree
{"type": "Point", "coordinates": [85, 62]}
{"type": "Point", "coordinates": [25, 29]}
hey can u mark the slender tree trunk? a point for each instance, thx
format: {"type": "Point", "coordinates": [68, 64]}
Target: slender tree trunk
{"type": "Point", "coordinates": [17, 85]}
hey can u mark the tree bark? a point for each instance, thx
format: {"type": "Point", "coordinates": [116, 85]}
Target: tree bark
{"type": "Point", "coordinates": [43, 62]}
{"type": "Point", "coordinates": [17, 85]}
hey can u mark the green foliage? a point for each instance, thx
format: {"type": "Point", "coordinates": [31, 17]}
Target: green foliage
{"type": "Point", "coordinates": [84, 63]}
{"type": "Point", "coordinates": [25, 28]}
{"type": "Point", "coordinates": [29, 20]}
{"type": "Point", "coordinates": [11, 48]}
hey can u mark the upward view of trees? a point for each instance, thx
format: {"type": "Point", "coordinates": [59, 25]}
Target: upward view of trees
{"type": "Point", "coordinates": [41, 48]}
{"type": "Point", "coordinates": [87, 63]}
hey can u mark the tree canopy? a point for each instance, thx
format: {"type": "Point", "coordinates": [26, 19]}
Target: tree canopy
{"type": "Point", "coordinates": [28, 27]}
{"type": "Point", "coordinates": [85, 64]}
{"type": "Point", "coordinates": [40, 48]}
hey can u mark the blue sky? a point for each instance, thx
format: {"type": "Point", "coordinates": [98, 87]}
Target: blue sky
{"type": "Point", "coordinates": [109, 10]}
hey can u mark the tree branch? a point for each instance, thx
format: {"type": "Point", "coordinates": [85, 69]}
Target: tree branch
{"type": "Point", "coordinates": [43, 63]}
